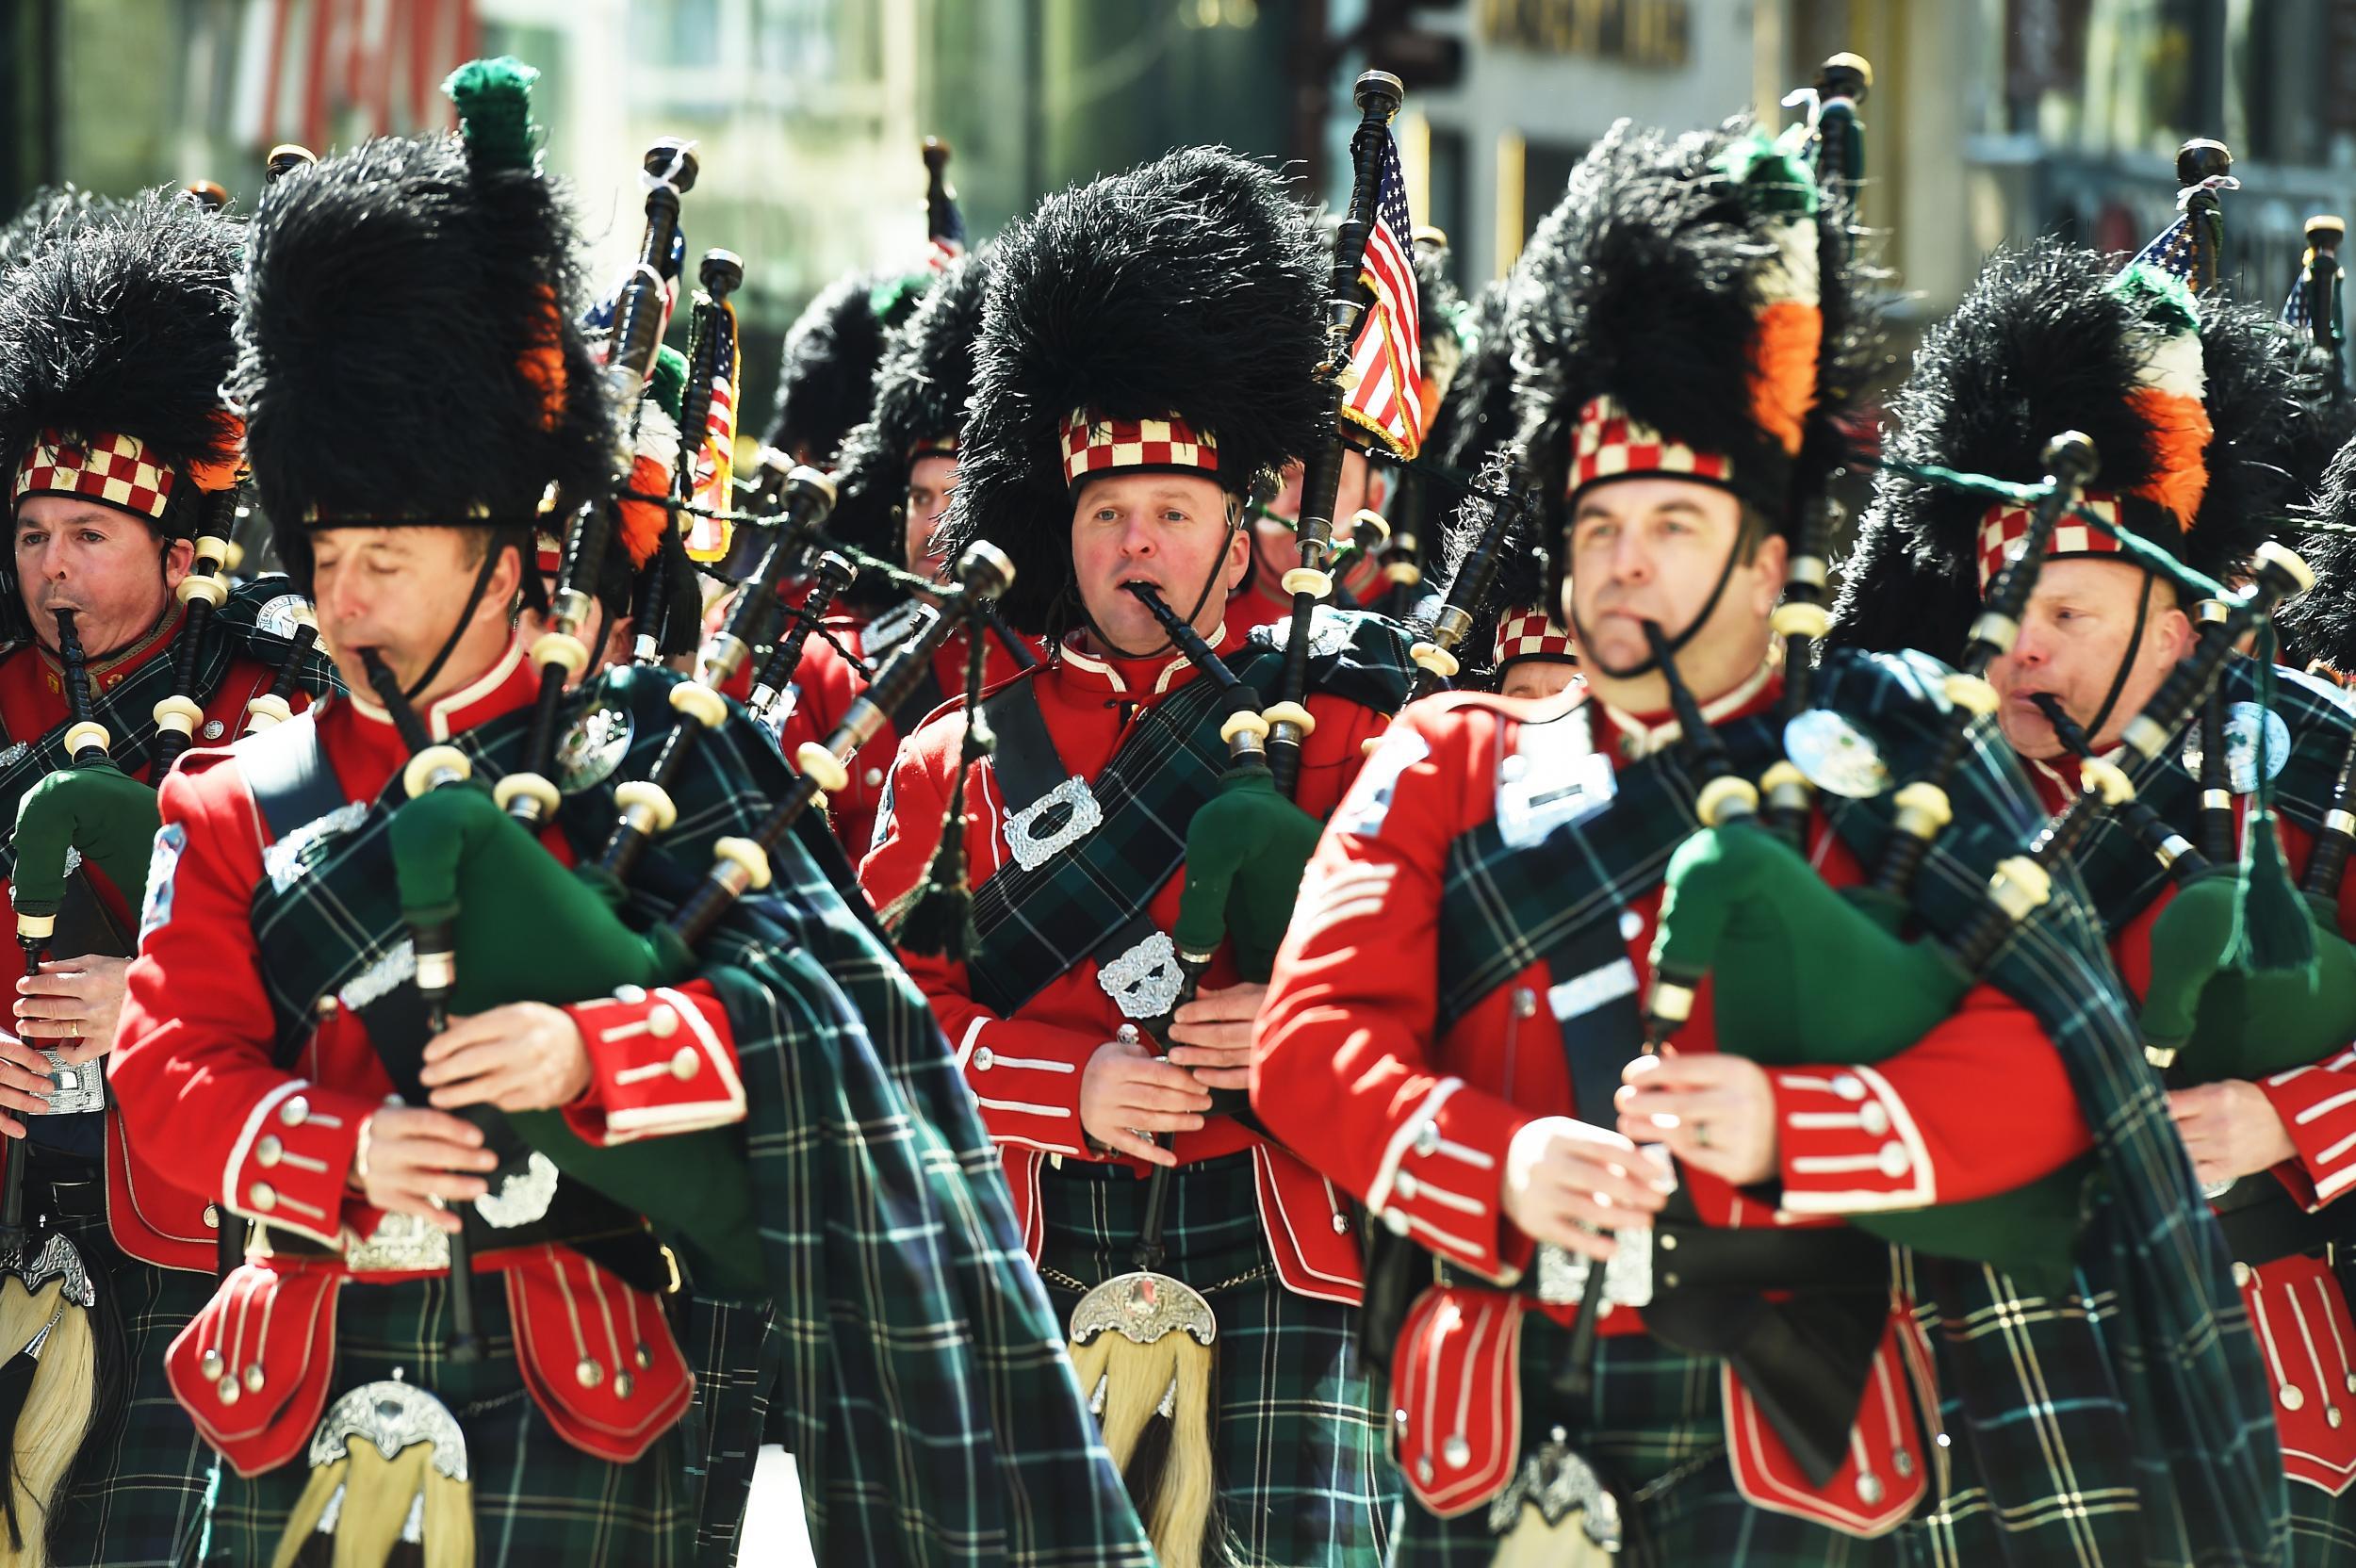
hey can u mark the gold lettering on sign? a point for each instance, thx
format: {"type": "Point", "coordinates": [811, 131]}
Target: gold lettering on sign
{"type": "Point", "coordinates": [1649, 34]}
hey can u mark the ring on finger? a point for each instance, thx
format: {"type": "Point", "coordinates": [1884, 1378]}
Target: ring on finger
{"type": "Point", "coordinates": [1701, 1134]}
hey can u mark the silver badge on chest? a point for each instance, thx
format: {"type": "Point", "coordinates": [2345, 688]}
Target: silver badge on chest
{"type": "Point", "coordinates": [1837, 755]}
{"type": "Point", "coordinates": [1555, 775]}
{"type": "Point", "coordinates": [1052, 824]}
{"type": "Point", "coordinates": [1144, 982]}
{"type": "Point", "coordinates": [2242, 722]}
{"type": "Point", "coordinates": [592, 749]}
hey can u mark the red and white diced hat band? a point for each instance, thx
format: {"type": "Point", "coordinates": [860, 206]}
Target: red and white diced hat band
{"type": "Point", "coordinates": [1095, 444]}
{"type": "Point", "coordinates": [2002, 525]}
{"type": "Point", "coordinates": [109, 466]}
{"type": "Point", "coordinates": [1608, 443]}
{"type": "Point", "coordinates": [1530, 632]}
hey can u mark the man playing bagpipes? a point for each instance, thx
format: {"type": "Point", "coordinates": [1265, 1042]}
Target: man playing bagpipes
{"type": "Point", "coordinates": [114, 343]}
{"type": "Point", "coordinates": [1148, 360]}
{"type": "Point", "coordinates": [1454, 1029]}
{"type": "Point", "coordinates": [897, 471]}
{"type": "Point", "coordinates": [283, 1038]}
{"type": "Point", "coordinates": [2199, 423]}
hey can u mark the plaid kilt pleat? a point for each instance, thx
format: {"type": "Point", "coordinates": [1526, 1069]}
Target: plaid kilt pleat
{"type": "Point", "coordinates": [2323, 1527]}
{"type": "Point", "coordinates": [137, 1496]}
{"type": "Point", "coordinates": [537, 1500]}
{"type": "Point", "coordinates": [732, 1348]}
{"type": "Point", "coordinates": [1305, 1477]}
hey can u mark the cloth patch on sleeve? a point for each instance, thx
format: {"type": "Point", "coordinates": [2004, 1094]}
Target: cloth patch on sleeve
{"type": "Point", "coordinates": [1369, 804]}
{"type": "Point", "coordinates": [155, 914]}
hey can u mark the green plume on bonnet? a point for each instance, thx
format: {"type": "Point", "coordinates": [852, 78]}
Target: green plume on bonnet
{"type": "Point", "coordinates": [494, 99]}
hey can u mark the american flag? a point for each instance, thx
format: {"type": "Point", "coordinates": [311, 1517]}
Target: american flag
{"type": "Point", "coordinates": [944, 224]}
{"type": "Point", "coordinates": [2295, 312]}
{"type": "Point", "coordinates": [715, 466]}
{"type": "Point", "coordinates": [1386, 397]}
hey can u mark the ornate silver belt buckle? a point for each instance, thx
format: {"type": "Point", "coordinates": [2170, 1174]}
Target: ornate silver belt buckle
{"type": "Point", "coordinates": [1031, 849]}
{"type": "Point", "coordinates": [1144, 981]}
{"type": "Point", "coordinates": [75, 1088]}
{"type": "Point", "coordinates": [1627, 1278]}
{"type": "Point", "coordinates": [400, 1244]}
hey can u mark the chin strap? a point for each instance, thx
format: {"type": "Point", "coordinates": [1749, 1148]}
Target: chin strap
{"type": "Point", "coordinates": [1235, 521]}
{"type": "Point", "coordinates": [465, 615]}
{"type": "Point", "coordinates": [2126, 661]}
{"type": "Point", "coordinates": [1674, 646]}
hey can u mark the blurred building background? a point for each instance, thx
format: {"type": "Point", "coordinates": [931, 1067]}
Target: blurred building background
{"type": "Point", "coordinates": [1989, 118]}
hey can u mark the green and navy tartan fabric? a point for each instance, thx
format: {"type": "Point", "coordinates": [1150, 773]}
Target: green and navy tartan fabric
{"type": "Point", "coordinates": [128, 709]}
{"type": "Point", "coordinates": [923, 1388]}
{"type": "Point", "coordinates": [1305, 1477]}
{"type": "Point", "coordinates": [1653, 1429]}
{"type": "Point", "coordinates": [538, 1501]}
{"type": "Point", "coordinates": [2123, 877]}
{"type": "Point", "coordinates": [732, 1349]}
{"type": "Point", "coordinates": [2125, 1423]}
{"type": "Point", "coordinates": [1032, 926]}
{"type": "Point", "coordinates": [137, 1496]}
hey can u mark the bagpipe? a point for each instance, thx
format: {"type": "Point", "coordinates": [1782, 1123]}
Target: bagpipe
{"type": "Point", "coordinates": [495, 918]}
{"type": "Point", "coordinates": [1501, 496]}
{"type": "Point", "coordinates": [1378, 95]}
{"type": "Point", "coordinates": [1141, 1342]}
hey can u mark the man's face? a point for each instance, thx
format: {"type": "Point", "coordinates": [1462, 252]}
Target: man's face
{"type": "Point", "coordinates": [1651, 549]}
{"type": "Point", "coordinates": [930, 480]}
{"type": "Point", "coordinates": [608, 637]}
{"type": "Point", "coordinates": [1536, 678]}
{"type": "Point", "coordinates": [1169, 530]}
{"type": "Point", "coordinates": [1279, 546]}
{"type": "Point", "coordinates": [2079, 626]}
{"type": "Point", "coordinates": [398, 590]}
{"type": "Point", "coordinates": [107, 566]}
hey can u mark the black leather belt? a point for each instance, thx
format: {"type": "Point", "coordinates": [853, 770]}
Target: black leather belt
{"type": "Point", "coordinates": [2261, 1223]}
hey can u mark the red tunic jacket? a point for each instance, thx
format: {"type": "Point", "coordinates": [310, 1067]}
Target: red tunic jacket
{"type": "Point", "coordinates": [1347, 1071]}
{"type": "Point", "coordinates": [1026, 1070]}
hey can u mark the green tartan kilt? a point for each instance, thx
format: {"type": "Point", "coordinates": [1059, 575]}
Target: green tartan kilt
{"type": "Point", "coordinates": [137, 1496]}
{"type": "Point", "coordinates": [1305, 1480]}
{"type": "Point", "coordinates": [537, 1500]}
{"type": "Point", "coordinates": [732, 1348]}
{"type": "Point", "coordinates": [1652, 1427]}
{"type": "Point", "coordinates": [2323, 1527]}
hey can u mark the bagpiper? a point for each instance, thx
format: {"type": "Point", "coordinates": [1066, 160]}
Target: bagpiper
{"type": "Point", "coordinates": [1147, 362]}
{"type": "Point", "coordinates": [1718, 1356]}
{"type": "Point", "coordinates": [898, 470]}
{"type": "Point", "coordinates": [2198, 425]}
{"type": "Point", "coordinates": [115, 339]}
{"type": "Point", "coordinates": [447, 1330]}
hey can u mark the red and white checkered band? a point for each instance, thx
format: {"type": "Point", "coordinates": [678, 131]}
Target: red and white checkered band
{"type": "Point", "coordinates": [110, 468]}
{"type": "Point", "coordinates": [1606, 444]}
{"type": "Point", "coordinates": [1522, 633]}
{"type": "Point", "coordinates": [2000, 525]}
{"type": "Point", "coordinates": [934, 446]}
{"type": "Point", "coordinates": [1094, 444]}
{"type": "Point", "coordinates": [548, 552]}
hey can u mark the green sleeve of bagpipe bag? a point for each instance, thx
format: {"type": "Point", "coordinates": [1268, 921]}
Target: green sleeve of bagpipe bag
{"type": "Point", "coordinates": [2225, 1023]}
{"type": "Point", "coordinates": [1818, 977]}
{"type": "Point", "coordinates": [529, 929]}
{"type": "Point", "coordinates": [1246, 852]}
{"type": "Point", "coordinates": [101, 812]}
